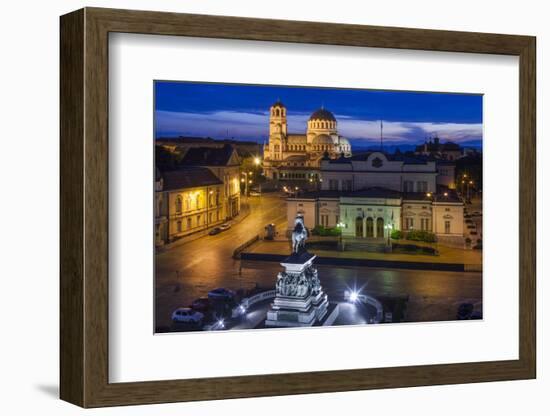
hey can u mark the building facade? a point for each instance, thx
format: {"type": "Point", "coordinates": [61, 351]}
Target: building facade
{"type": "Point", "coordinates": [224, 162]}
{"type": "Point", "coordinates": [202, 191]}
{"type": "Point", "coordinates": [436, 149]}
{"type": "Point", "coordinates": [297, 156]}
{"type": "Point", "coordinates": [370, 195]}
{"type": "Point", "coordinates": [187, 200]}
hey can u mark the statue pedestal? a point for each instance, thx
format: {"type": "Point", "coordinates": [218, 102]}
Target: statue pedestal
{"type": "Point", "coordinates": [300, 300]}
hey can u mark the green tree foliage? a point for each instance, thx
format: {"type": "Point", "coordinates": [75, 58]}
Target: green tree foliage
{"type": "Point", "coordinates": [418, 235]}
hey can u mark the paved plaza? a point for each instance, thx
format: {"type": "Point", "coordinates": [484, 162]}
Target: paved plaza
{"type": "Point", "coordinates": [188, 271]}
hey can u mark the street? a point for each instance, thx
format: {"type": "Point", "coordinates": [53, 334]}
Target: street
{"type": "Point", "coordinates": [189, 271]}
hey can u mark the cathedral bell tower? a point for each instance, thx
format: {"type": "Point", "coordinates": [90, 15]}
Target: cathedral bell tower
{"type": "Point", "coordinates": [277, 130]}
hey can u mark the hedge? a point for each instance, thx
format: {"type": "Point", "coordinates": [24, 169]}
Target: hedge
{"type": "Point", "coordinates": [327, 232]}
{"type": "Point", "coordinates": [418, 235]}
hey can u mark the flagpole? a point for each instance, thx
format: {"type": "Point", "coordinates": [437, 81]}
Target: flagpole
{"type": "Point", "coordinates": [381, 136]}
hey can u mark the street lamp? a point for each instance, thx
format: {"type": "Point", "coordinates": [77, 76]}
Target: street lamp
{"type": "Point", "coordinates": [389, 227]}
{"type": "Point", "coordinates": [468, 190]}
{"type": "Point", "coordinates": [257, 161]}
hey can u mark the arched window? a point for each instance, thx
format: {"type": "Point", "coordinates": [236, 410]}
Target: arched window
{"type": "Point", "coordinates": [277, 112]}
{"type": "Point", "coordinates": [198, 201]}
{"type": "Point", "coordinates": [179, 201]}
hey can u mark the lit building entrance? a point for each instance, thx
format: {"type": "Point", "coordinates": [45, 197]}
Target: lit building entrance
{"type": "Point", "coordinates": [359, 227]}
{"type": "Point", "coordinates": [380, 227]}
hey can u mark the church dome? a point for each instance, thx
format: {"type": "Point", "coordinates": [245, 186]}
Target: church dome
{"type": "Point", "coordinates": [343, 141]}
{"type": "Point", "coordinates": [322, 139]}
{"type": "Point", "coordinates": [322, 114]}
{"type": "Point", "coordinates": [278, 104]}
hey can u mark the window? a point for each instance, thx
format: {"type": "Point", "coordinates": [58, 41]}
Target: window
{"type": "Point", "coordinates": [324, 220]}
{"type": "Point", "coordinates": [422, 186]}
{"type": "Point", "coordinates": [425, 224]}
{"type": "Point", "coordinates": [333, 185]}
{"type": "Point", "coordinates": [179, 226]}
{"type": "Point", "coordinates": [198, 220]}
{"type": "Point", "coordinates": [178, 204]}
{"type": "Point", "coordinates": [409, 223]}
{"type": "Point", "coordinates": [189, 223]}
{"type": "Point", "coordinates": [447, 227]}
{"type": "Point", "coordinates": [346, 185]}
{"type": "Point", "coordinates": [337, 219]}
{"type": "Point", "coordinates": [408, 186]}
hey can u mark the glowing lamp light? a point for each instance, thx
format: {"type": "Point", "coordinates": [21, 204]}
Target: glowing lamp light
{"type": "Point", "coordinates": [221, 323]}
{"type": "Point", "coordinates": [353, 297]}
{"type": "Point", "coordinates": [445, 194]}
{"type": "Point", "coordinates": [257, 161]}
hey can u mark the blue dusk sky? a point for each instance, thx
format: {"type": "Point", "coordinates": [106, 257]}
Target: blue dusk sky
{"type": "Point", "coordinates": [242, 112]}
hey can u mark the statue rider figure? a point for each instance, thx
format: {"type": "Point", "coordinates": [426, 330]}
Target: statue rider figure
{"type": "Point", "coordinates": [299, 235]}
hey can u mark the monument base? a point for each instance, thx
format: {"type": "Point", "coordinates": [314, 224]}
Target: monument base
{"type": "Point", "coordinates": [331, 314]}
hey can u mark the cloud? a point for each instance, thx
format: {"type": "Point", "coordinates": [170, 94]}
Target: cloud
{"type": "Point", "coordinates": [255, 126]}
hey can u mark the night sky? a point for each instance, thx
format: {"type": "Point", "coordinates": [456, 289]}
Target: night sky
{"type": "Point", "coordinates": [241, 112]}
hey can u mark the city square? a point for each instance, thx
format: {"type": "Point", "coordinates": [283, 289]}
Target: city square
{"type": "Point", "coordinates": [313, 229]}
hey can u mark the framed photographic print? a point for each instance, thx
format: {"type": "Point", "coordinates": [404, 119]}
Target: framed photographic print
{"type": "Point", "coordinates": [259, 207]}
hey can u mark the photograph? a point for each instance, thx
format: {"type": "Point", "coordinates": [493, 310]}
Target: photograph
{"type": "Point", "coordinates": [295, 206]}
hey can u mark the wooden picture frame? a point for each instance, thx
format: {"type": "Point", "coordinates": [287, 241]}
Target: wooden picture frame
{"type": "Point", "coordinates": [84, 207]}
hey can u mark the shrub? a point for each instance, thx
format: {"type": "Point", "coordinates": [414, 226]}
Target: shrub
{"type": "Point", "coordinates": [418, 235]}
{"type": "Point", "coordinates": [413, 249]}
{"type": "Point", "coordinates": [396, 234]}
{"type": "Point", "coordinates": [326, 231]}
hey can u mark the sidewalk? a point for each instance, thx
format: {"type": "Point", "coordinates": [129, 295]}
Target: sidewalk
{"type": "Point", "coordinates": [449, 258]}
{"type": "Point", "coordinates": [245, 211]}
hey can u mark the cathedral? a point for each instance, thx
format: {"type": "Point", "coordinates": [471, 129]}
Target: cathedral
{"type": "Point", "coordinates": [291, 156]}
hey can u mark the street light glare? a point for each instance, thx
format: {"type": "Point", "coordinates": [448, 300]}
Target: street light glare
{"type": "Point", "coordinates": [353, 296]}
{"type": "Point", "coordinates": [256, 161]}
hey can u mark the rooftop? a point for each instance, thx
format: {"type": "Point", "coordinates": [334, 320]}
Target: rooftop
{"type": "Point", "coordinates": [188, 177]}
{"type": "Point", "coordinates": [208, 156]}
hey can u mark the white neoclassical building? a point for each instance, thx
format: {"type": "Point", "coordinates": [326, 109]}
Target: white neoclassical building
{"type": "Point", "coordinates": [371, 194]}
{"type": "Point", "coordinates": [297, 156]}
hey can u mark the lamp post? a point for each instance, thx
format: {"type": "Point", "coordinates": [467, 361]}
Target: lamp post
{"type": "Point", "coordinates": [468, 187]}
{"type": "Point", "coordinates": [257, 163]}
{"type": "Point", "coordinates": [341, 226]}
{"type": "Point", "coordinates": [389, 227]}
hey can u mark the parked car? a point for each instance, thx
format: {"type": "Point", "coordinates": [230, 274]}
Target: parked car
{"type": "Point", "coordinates": [221, 293]}
{"type": "Point", "coordinates": [464, 311]}
{"type": "Point", "coordinates": [187, 315]}
{"type": "Point", "coordinates": [201, 305]}
{"type": "Point", "coordinates": [215, 230]}
{"type": "Point", "coordinates": [254, 193]}
{"type": "Point", "coordinates": [225, 226]}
